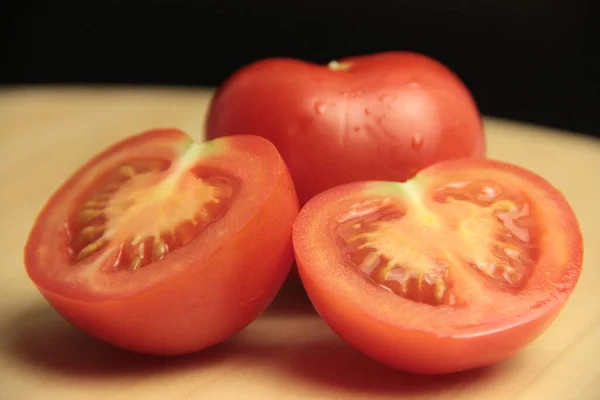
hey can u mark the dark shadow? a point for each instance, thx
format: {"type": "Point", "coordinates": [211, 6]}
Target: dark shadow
{"type": "Point", "coordinates": [305, 350]}
{"type": "Point", "coordinates": [333, 363]}
{"type": "Point", "coordinates": [293, 345]}
{"type": "Point", "coordinates": [291, 299]}
{"type": "Point", "coordinates": [43, 338]}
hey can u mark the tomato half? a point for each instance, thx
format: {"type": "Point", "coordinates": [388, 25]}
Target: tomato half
{"type": "Point", "coordinates": [457, 268]}
{"type": "Point", "coordinates": [381, 116]}
{"type": "Point", "coordinates": [165, 246]}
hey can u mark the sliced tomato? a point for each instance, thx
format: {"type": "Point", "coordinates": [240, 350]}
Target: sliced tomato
{"type": "Point", "coordinates": [165, 246]}
{"type": "Point", "coordinates": [457, 268]}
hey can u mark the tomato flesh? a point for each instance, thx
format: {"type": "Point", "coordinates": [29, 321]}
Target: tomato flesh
{"type": "Point", "coordinates": [457, 268]}
{"type": "Point", "coordinates": [150, 242]}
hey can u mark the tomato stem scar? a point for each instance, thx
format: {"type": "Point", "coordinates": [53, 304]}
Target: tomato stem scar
{"type": "Point", "coordinates": [339, 66]}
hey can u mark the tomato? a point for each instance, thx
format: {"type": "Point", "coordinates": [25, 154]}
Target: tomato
{"type": "Point", "coordinates": [457, 268]}
{"type": "Point", "coordinates": [381, 116]}
{"type": "Point", "coordinates": [165, 246]}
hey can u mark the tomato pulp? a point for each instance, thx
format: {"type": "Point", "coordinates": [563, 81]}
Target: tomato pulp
{"type": "Point", "coordinates": [165, 246]}
{"type": "Point", "coordinates": [457, 268]}
{"type": "Point", "coordinates": [382, 116]}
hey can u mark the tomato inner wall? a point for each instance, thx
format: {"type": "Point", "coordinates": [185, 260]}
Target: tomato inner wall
{"type": "Point", "coordinates": [135, 214]}
{"type": "Point", "coordinates": [464, 231]}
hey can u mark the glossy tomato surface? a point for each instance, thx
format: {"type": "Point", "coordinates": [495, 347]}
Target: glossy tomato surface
{"type": "Point", "coordinates": [165, 246]}
{"type": "Point", "coordinates": [457, 268]}
{"type": "Point", "coordinates": [383, 116]}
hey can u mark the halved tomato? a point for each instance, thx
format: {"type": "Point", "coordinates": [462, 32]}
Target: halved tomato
{"type": "Point", "coordinates": [457, 268]}
{"type": "Point", "coordinates": [165, 246]}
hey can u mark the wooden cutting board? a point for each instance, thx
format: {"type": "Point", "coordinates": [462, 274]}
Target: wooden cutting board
{"type": "Point", "coordinates": [288, 353]}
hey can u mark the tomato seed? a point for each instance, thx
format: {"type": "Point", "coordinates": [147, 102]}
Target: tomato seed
{"type": "Point", "coordinates": [127, 171]}
{"type": "Point", "coordinates": [159, 249]}
{"type": "Point", "coordinates": [91, 249]}
{"type": "Point", "coordinates": [88, 214]}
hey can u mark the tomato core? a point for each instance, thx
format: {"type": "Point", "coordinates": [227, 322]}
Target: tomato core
{"type": "Point", "coordinates": [130, 218]}
{"type": "Point", "coordinates": [429, 247]}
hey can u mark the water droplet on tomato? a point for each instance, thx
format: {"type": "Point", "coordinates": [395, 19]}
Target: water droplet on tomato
{"type": "Point", "coordinates": [485, 194]}
{"type": "Point", "coordinates": [320, 107]}
{"type": "Point", "coordinates": [352, 94]}
{"type": "Point", "coordinates": [416, 142]}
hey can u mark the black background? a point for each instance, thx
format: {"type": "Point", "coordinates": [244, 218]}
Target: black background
{"type": "Point", "coordinates": [531, 60]}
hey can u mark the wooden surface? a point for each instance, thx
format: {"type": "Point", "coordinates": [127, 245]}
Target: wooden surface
{"type": "Point", "coordinates": [288, 353]}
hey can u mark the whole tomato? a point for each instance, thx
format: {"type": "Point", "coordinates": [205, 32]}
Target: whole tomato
{"type": "Point", "coordinates": [382, 116]}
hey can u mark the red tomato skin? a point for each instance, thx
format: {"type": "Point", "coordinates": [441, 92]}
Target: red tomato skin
{"type": "Point", "coordinates": [369, 327]}
{"type": "Point", "coordinates": [200, 306]}
{"type": "Point", "coordinates": [387, 117]}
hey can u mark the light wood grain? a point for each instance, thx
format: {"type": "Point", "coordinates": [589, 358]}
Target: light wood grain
{"type": "Point", "coordinates": [287, 353]}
